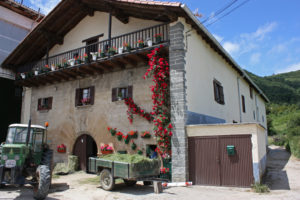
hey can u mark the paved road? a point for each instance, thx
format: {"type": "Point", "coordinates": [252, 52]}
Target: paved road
{"type": "Point", "coordinates": [283, 177]}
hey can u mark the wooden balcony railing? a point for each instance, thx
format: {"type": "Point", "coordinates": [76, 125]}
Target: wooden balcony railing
{"type": "Point", "coordinates": [103, 50]}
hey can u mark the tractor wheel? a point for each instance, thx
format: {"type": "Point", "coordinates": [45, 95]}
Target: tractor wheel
{"type": "Point", "coordinates": [107, 181]}
{"type": "Point", "coordinates": [47, 157]}
{"type": "Point", "coordinates": [129, 182]}
{"type": "Point", "coordinates": [41, 188]}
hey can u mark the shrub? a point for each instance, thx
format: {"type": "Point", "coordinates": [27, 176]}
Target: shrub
{"type": "Point", "coordinates": [260, 188]}
{"type": "Point", "coordinates": [294, 143]}
{"type": "Point", "coordinates": [279, 140]}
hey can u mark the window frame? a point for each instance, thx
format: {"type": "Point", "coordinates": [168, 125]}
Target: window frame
{"type": "Point", "coordinates": [45, 106]}
{"type": "Point", "coordinates": [218, 92]}
{"type": "Point", "coordinates": [251, 92]}
{"type": "Point", "coordinates": [116, 92]}
{"type": "Point", "coordinates": [79, 96]}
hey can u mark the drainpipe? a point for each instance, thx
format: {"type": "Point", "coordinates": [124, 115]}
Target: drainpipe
{"type": "Point", "coordinates": [239, 96]}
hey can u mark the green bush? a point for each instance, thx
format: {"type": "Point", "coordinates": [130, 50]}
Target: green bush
{"type": "Point", "coordinates": [260, 188]}
{"type": "Point", "coordinates": [279, 140]}
{"type": "Point", "coordinates": [294, 143]}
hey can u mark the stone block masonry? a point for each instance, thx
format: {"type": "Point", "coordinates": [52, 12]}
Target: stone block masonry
{"type": "Point", "coordinates": [178, 104]}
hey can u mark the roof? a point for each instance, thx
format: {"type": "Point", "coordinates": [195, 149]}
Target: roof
{"type": "Point", "coordinates": [22, 10]}
{"type": "Point", "coordinates": [26, 125]}
{"type": "Point", "coordinates": [68, 13]}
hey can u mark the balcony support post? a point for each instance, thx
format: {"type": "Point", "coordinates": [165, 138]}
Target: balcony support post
{"type": "Point", "coordinates": [47, 54]}
{"type": "Point", "coordinates": [109, 32]}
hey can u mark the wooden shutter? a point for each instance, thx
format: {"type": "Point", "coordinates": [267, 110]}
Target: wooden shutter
{"type": "Point", "coordinates": [50, 103]}
{"type": "Point", "coordinates": [221, 94]}
{"type": "Point", "coordinates": [243, 104]}
{"type": "Point", "coordinates": [77, 96]}
{"type": "Point", "coordinates": [129, 91]}
{"type": "Point", "coordinates": [39, 104]}
{"type": "Point", "coordinates": [92, 95]}
{"type": "Point", "coordinates": [114, 94]}
{"type": "Point", "coordinates": [215, 91]}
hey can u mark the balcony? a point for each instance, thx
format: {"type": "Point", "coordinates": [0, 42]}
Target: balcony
{"type": "Point", "coordinates": [97, 58]}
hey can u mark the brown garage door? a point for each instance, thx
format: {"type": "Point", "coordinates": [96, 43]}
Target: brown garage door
{"type": "Point", "coordinates": [210, 164]}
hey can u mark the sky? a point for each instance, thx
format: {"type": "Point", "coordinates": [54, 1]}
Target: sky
{"type": "Point", "coordinates": [263, 36]}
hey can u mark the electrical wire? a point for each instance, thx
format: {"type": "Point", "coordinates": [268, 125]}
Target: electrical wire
{"type": "Point", "coordinates": [243, 3]}
{"type": "Point", "coordinates": [219, 11]}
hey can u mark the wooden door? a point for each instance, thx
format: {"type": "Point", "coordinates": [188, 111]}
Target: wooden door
{"type": "Point", "coordinates": [209, 163]}
{"type": "Point", "coordinates": [80, 151]}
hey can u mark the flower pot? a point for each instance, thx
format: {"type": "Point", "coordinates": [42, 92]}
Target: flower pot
{"type": "Point", "coordinates": [105, 152]}
{"type": "Point", "coordinates": [53, 68]}
{"type": "Point", "coordinates": [126, 141]}
{"type": "Point", "coordinates": [72, 62]}
{"type": "Point", "coordinates": [23, 75]}
{"type": "Point", "coordinates": [158, 39]}
{"type": "Point", "coordinates": [128, 48]}
{"type": "Point", "coordinates": [36, 72]}
{"type": "Point", "coordinates": [141, 45]}
{"type": "Point", "coordinates": [102, 55]}
{"type": "Point", "coordinates": [111, 53]}
{"type": "Point", "coordinates": [86, 60]}
{"type": "Point", "coordinates": [94, 57]}
{"type": "Point", "coordinates": [149, 43]}
{"type": "Point", "coordinates": [120, 50]}
{"type": "Point", "coordinates": [119, 137]}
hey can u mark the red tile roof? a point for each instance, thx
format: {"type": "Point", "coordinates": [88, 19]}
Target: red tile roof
{"type": "Point", "coordinates": [155, 3]}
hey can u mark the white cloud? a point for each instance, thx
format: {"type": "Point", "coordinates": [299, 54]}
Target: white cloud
{"type": "Point", "coordinates": [231, 47]}
{"type": "Point", "coordinates": [290, 68]}
{"type": "Point", "coordinates": [261, 32]}
{"type": "Point", "coordinates": [255, 58]}
{"type": "Point", "coordinates": [45, 5]}
{"type": "Point", "coordinates": [218, 38]}
{"type": "Point", "coordinates": [279, 48]}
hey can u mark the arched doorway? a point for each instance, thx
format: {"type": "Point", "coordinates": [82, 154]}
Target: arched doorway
{"type": "Point", "coordinates": [84, 147]}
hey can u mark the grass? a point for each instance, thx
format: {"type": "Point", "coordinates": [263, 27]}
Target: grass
{"type": "Point", "coordinates": [134, 158]}
{"type": "Point", "coordinates": [260, 188]}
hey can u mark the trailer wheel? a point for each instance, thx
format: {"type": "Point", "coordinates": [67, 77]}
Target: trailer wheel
{"type": "Point", "coordinates": [41, 188]}
{"type": "Point", "coordinates": [107, 181]}
{"type": "Point", "coordinates": [129, 182]}
{"type": "Point", "coordinates": [147, 182]}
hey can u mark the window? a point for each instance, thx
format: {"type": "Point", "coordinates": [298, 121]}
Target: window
{"type": "Point", "coordinates": [243, 104]}
{"type": "Point", "coordinates": [45, 103]}
{"type": "Point", "coordinates": [219, 94]}
{"type": "Point", "coordinates": [253, 114]}
{"type": "Point", "coordinates": [263, 118]}
{"type": "Point", "coordinates": [84, 96]}
{"type": "Point", "coordinates": [121, 93]}
{"type": "Point", "coordinates": [251, 92]}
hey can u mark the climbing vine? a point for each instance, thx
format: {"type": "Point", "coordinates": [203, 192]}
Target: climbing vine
{"type": "Point", "coordinates": [133, 108]}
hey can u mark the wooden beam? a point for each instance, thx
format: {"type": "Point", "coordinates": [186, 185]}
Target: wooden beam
{"type": "Point", "coordinates": [105, 67]}
{"type": "Point", "coordinates": [117, 63]}
{"type": "Point", "coordinates": [52, 36]}
{"type": "Point", "coordinates": [118, 13]}
{"type": "Point", "coordinates": [61, 75]}
{"type": "Point", "coordinates": [84, 8]}
{"type": "Point", "coordinates": [85, 70]}
{"type": "Point", "coordinates": [66, 76]}
{"type": "Point", "coordinates": [95, 69]}
{"type": "Point", "coordinates": [129, 61]}
{"type": "Point", "coordinates": [70, 73]}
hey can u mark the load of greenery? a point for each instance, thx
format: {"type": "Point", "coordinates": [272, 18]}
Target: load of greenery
{"type": "Point", "coordinates": [283, 112]}
{"type": "Point", "coordinates": [140, 162]}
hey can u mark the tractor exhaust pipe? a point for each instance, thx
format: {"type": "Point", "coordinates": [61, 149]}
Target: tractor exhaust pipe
{"type": "Point", "coordinates": [28, 132]}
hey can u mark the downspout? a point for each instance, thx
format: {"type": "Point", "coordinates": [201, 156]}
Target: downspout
{"type": "Point", "coordinates": [239, 96]}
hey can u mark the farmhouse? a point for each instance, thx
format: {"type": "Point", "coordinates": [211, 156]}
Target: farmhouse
{"type": "Point", "coordinates": [87, 58]}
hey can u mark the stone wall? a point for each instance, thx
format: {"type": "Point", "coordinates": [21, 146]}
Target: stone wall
{"type": "Point", "coordinates": [68, 122]}
{"type": "Point", "coordinates": [178, 103]}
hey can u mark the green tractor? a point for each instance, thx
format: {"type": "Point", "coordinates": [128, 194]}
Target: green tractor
{"type": "Point", "coordinates": [26, 158]}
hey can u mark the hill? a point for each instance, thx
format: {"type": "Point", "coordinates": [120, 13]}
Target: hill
{"type": "Point", "coordinates": [283, 113]}
{"type": "Point", "coordinates": [280, 88]}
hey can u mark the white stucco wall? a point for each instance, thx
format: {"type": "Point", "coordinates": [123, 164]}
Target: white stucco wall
{"type": "Point", "coordinates": [258, 140]}
{"type": "Point", "coordinates": [203, 65]}
{"type": "Point", "coordinates": [92, 26]}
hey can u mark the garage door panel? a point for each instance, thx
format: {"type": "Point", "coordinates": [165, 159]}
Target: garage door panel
{"type": "Point", "coordinates": [236, 170]}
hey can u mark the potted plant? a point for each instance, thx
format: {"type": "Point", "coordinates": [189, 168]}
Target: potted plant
{"type": "Point", "coordinates": [119, 135]}
{"type": "Point", "coordinates": [72, 61]}
{"type": "Point", "coordinates": [85, 101]}
{"type": "Point", "coordinates": [106, 149]}
{"type": "Point", "coordinates": [158, 37]}
{"type": "Point", "coordinates": [149, 42]}
{"type": "Point", "coordinates": [112, 51]}
{"type": "Point", "coordinates": [61, 148]}
{"type": "Point", "coordinates": [133, 134]}
{"type": "Point", "coordinates": [120, 50]}
{"type": "Point", "coordinates": [36, 71]}
{"type": "Point", "coordinates": [112, 131]}
{"type": "Point", "coordinates": [133, 145]}
{"type": "Point", "coordinates": [146, 134]}
{"type": "Point", "coordinates": [126, 47]}
{"type": "Point", "coordinates": [101, 53]}
{"type": "Point", "coordinates": [140, 152]}
{"type": "Point", "coordinates": [65, 63]}
{"type": "Point", "coordinates": [23, 75]}
{"type": "Point", "coordinates": [86, 58]}
{"type": "Point", "coordinates": [53, 68]}
{"type": "Point", "coordinates": [126, 139]}
{"type": "Point", "coordinates": [46, 69]}
{"type": "Point", "coordinates": [94, 55]}
{"type": "Point", "coordinates": [140, 43]}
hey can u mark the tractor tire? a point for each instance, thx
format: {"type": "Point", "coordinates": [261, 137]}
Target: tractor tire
{"type": "Point", "coordinates": [47, 158]}
{"type": "Point", "coordinates": [43, 176]}
{"type": "Point", "coordinates": [107, 181]}
{"type": "Point", "coordinates": [129, 182]}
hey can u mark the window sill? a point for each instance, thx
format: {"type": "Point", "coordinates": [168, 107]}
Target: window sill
{"type": "Point", "coordinates": [44, 110]}
{"type": "Point", "coordinates": [84, 106]}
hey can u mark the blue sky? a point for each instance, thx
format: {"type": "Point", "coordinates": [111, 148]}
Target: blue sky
{"type": "Point", "coordinates": [263, 36]}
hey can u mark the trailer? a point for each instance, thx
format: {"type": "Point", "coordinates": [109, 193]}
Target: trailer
{"type": "Point", "coordinates": [129, 172]}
